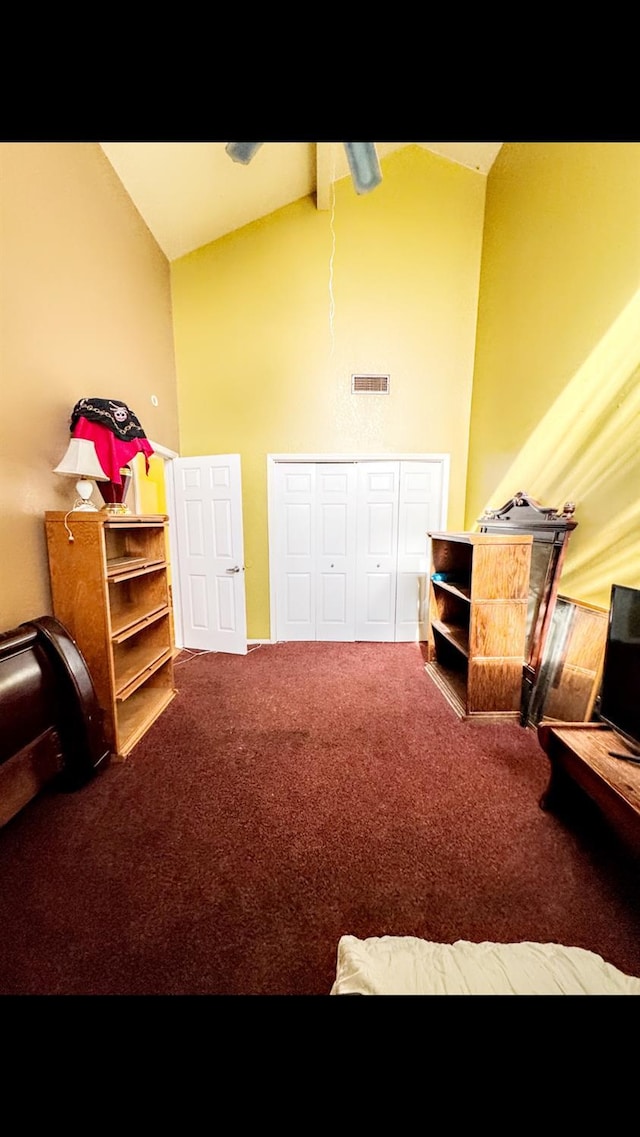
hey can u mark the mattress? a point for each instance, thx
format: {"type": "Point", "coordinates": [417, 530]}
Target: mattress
{"type": "Point", "coordinates": [406, 965]}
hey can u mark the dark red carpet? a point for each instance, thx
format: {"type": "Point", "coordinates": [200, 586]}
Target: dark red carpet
{"type": "Point", "coordinates": [285, 798]}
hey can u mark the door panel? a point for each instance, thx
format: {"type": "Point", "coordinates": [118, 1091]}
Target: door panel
{"type": "Point", "coordinates": [377, 544]}
{"type": "Point", "coordinates": [336, 547]}
{"type": "Point", "coordinates": [296, 551]}
{"type": "Point", "coordinates": [210, 552]}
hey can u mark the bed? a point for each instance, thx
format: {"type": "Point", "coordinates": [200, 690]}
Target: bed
{"type": "Point", "coordinates": [406, 965]}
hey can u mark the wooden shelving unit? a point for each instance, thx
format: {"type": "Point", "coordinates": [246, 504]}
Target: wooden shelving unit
{"type": "Point", "coordinates": [109, 585]}
{"type": "Point", "coordinates": [478, 618]}
{"type": "Point", "coordinates": [551, 530]}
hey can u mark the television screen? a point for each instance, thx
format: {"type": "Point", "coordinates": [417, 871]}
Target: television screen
{"type": "Point", "coordinates": [620, 689]}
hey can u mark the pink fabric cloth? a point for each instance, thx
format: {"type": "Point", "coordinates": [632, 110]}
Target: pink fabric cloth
{"type": "Point", "coordinates": [112, 452]}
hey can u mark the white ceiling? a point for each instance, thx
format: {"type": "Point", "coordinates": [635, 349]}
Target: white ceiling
{"type": "Point", "coordinates": [191, 193]}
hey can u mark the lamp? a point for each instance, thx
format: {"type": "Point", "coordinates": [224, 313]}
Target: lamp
{"type": "Point", "coordinates": [81, 461]}
{"type": "Point", "coordinates": [114, 493]}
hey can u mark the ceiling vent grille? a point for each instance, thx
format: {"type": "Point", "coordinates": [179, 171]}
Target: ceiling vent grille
{"type": "Point", "coordinates": [370, 384]}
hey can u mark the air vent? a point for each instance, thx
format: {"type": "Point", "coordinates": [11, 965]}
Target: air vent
{"type": "Point", "coordinates": [370, 384]}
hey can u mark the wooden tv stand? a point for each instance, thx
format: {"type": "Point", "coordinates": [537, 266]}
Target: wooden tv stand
{"type": "Point", "coordinates": [578, 753]}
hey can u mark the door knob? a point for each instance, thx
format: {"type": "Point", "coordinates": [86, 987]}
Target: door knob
{"type": "Point", "coordinates": [236, 568]}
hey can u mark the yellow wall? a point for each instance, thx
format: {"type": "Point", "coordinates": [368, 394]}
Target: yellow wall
{"type": "Point", "coordinates": [262, 367]}
{"type": "Point", "coordinates": [556, 394]}
{"type": "Point", "coordinates": [85, 310]}
{"type": "Point", "coordinates": [151, 485]}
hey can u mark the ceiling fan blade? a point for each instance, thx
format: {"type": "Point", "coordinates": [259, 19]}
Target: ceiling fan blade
{"type": "Point", "coordinates": [362, 157]}
{"type": "Point", "coordinates": [242, 151]}
{"type": "Point", "coordinates": [364, 165]}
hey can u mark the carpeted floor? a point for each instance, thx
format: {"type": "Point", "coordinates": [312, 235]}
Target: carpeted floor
{"type": "Point", "coordinates": [285, 798]}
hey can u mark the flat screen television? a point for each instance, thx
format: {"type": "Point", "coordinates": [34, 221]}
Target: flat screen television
{"type": "Point", "coordinates": [619, 704]}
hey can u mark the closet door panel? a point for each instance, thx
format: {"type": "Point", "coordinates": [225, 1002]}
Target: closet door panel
{"type": "Point", "coordinates": [296, 542]}
{"type": "Point", "coordinates": [335, 507]}
{"type": "Point", "coordinates": [377, 550]}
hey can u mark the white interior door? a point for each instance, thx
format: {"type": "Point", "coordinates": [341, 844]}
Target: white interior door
{"type": "Point", "coordinates": [209, 543]}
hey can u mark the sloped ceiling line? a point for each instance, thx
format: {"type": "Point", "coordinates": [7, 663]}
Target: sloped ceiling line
{"type": "Point", "coordinates": [190, 193]}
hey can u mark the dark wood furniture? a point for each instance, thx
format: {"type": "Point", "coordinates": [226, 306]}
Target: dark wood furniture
{"type": "Point", "coordinates": [579, 757]}
{"type": "Point", "coordinates": [477, 616]}
{"type": "Point", "coordinates": [50, 722]}
{"type": "Point", "coordinates": [550, 530]}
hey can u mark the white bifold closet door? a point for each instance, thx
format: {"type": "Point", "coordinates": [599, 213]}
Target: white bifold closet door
{"type": "Point", "coordinates": [316, 551]}
{"type": "Point", "coordinates": [351, 548]}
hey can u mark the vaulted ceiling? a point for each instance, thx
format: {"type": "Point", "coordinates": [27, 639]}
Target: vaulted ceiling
{"type": "Point", "coordinates": [191, 193]}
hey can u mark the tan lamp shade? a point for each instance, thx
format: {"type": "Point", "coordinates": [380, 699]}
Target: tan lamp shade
{"type": "Point", "coordinates": [81, 461]}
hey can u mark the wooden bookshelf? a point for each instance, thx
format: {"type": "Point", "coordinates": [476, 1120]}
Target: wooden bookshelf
{"type": "Point", "coordinates": [109, 584]}
{"type": "Point", "coordinates": [477, 614]}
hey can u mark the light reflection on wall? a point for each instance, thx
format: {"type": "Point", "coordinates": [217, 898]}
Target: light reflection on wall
{"type": "Point", "coordinates": [586, 449]}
